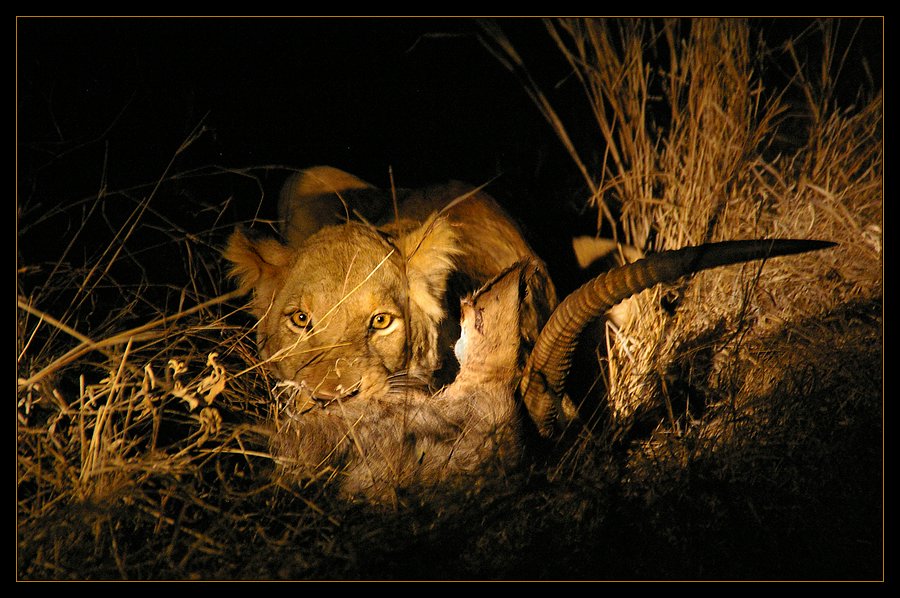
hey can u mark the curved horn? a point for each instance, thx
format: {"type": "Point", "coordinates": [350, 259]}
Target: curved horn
{"type": "Point", "coordinates": [548, 366]}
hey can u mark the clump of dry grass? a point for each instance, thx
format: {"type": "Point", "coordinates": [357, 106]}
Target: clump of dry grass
{"type": "Point", "coordinates": [738, 421]}
{"type": "Point", "coordinates": [743, 377]}
{"type": "Point", "coordinates": [139, 399]}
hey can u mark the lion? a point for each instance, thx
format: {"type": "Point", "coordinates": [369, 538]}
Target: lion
{"type": "Point", "coordinates": [359, 293]}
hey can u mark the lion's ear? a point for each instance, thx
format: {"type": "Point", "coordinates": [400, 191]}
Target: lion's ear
{"type": "Point", "coordinates": [259, 266]}
{"type": "Point", "coordinates": [430, 251]}
{"type": "Point", "coordinates": [320, 196]}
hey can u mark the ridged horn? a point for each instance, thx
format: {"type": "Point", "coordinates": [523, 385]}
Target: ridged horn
{"type": "Point", "coordinates": [545, 373]}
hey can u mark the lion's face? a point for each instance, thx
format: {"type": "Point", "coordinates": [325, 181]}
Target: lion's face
{"type": "Point", "coordinates": [350, 306]}
{"type": "Point", "coordinates": [341, 328]}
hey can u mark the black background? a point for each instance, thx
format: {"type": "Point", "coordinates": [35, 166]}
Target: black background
{"type": "Point", "coordinates": [420, 95]}
{"type": "Point", "coordinates": [108, 102]}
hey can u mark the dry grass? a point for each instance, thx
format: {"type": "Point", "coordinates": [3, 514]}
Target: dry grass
{"type": "Point", "coordinates": [745, 378]}
{"type": "Point", "coordinates": [737, 424]}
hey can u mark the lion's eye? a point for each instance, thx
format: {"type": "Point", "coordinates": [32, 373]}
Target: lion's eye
{"type": "Point", "coordinates": [300, 319]}
{"type": "Point", "coordinates": [381, 321]}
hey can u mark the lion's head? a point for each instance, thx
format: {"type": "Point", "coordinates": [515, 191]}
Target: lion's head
{"type": "Point", "coordinates": [350, 306]}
